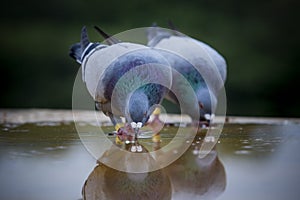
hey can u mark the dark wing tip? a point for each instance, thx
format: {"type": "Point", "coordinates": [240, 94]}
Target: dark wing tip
{"type": "Point", "coordinates": [110, 40]}
{"type": "Point", "coordinates": [174, 28]}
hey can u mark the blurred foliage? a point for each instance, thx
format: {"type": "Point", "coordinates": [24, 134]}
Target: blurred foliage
{"type": "Point", "coordinates": [259, 40]}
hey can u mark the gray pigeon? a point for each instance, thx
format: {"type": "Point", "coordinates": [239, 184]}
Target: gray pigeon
{"type": "Point", "coordinates": [125, 79]}
{"type": "Point", "coordinates": [202, 66]}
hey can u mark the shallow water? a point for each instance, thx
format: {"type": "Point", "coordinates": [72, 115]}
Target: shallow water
{"type": "Point", "coordinates": [251, 161]}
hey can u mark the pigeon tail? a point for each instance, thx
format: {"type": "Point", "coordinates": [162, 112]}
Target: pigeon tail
{"type": "Point", "coordinates": [79, 50]}
{"type": "Point", "coordinates": [155, 34]}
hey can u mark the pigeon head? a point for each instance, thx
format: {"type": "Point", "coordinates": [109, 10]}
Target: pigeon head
{"type": "Point", "coordinates": [207, 103]}
{"type": "Point", "coordinates": [138, 107]}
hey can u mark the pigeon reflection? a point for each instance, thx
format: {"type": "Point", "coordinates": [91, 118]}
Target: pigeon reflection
{"type": "Point", "coordinates": [197, 178]}
{"type": "Point", "coordinates": [189, 177]}
{"type": "Point", "coordinates": [107, 183]}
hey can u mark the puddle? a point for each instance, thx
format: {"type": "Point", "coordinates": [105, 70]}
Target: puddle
{"type": "Point", "coordinates": [250, 161]}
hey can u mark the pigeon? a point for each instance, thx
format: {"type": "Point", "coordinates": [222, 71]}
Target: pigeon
{"type": "Point", "coordinates": [125, 80]}
{"type": "Point", "coordinates": [107, 182]}
{"type": "Point", "coordinates": [201, 65]}
{"type": "Point", "coordinates": [193, 177]}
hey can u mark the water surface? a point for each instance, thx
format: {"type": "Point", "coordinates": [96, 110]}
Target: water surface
{"type": "Point", "coordinates": [251, 161]}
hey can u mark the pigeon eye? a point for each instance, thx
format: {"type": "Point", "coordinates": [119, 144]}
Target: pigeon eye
{"type": "Point", "coordinates": [201, 105]}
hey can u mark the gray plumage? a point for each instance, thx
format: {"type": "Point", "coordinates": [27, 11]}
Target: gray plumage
{"type": "Point", "coordinates": [202, 66]}
{"type": "Point", "coordinates": [129, 84]}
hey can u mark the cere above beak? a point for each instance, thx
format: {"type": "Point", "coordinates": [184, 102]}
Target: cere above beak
{"type": "Point", "coordinates": [209, 116]}
{"type": "Point", "coordinates": [136, 125]}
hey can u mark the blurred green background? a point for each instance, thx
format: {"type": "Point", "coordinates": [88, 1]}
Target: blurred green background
{"type": "Point", "coordinates": [259, 40]}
